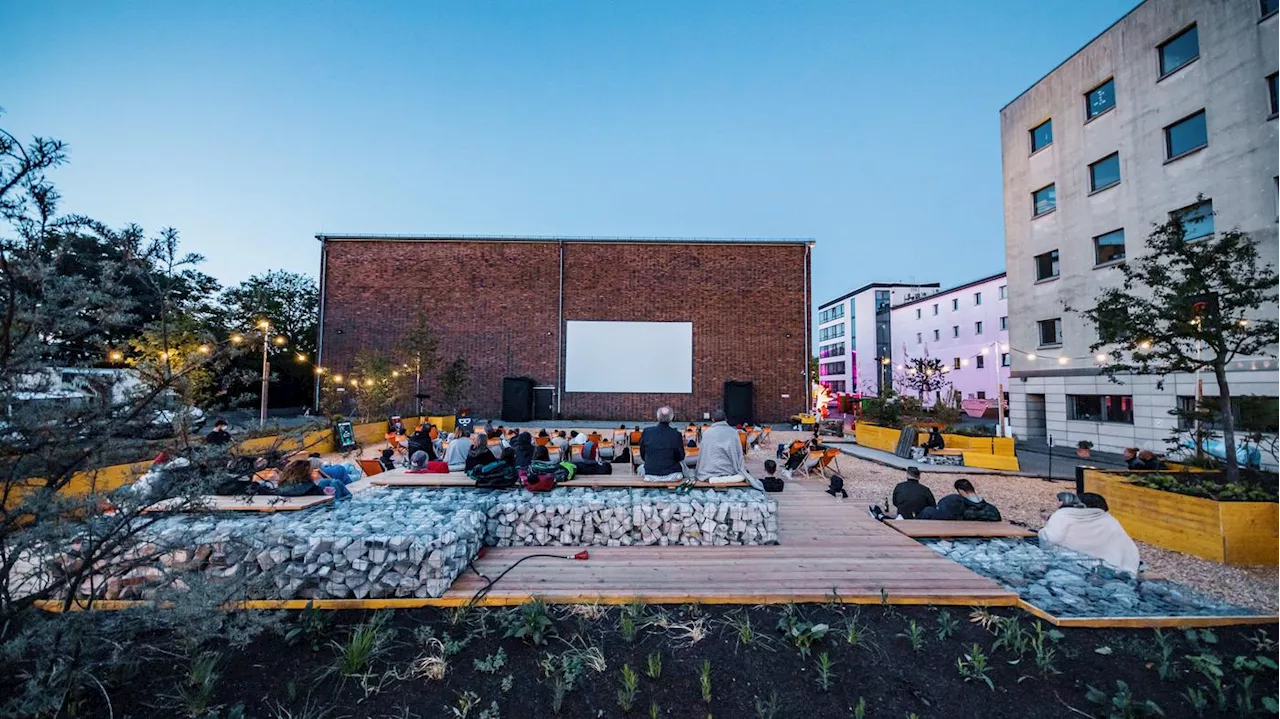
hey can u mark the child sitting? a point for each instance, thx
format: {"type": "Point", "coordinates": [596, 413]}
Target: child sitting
{"type": "Point", "coordinates": [771, 483]}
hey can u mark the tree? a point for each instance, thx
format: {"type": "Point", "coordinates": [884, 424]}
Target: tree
{"type": "Point", "coordinates": [924, 376]}
{"type": "Point", "coordinates": [376, 384]}
{"type": "Point", "coordinates": [454, 381]}
{"type": "Point", "coordinates": [1185, 306]}
{"type": "Point", "coordinates": [289, 302]}
{"type": "Point", "coordinates": [419, 353]}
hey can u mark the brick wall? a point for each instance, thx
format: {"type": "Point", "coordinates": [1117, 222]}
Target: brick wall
{"type": "Point", "coordinates": [495, 303]}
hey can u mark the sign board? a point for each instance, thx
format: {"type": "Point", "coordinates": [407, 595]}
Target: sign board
{"type": "Point", "coordinates": [396, 424]}
{"type": "Point", "coordinates": [346, 435]}
{"type": "Point", "coordinates": [464, 424]}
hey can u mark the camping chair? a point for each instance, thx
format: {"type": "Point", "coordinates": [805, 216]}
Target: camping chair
{"type": "Point", "coordinates": [635, 460]}
{"type": "Point", "coordinates": [395, 443]}
{"type": "Point", "coordinates": [823, 464]}
{"type": "Point", "coordinates": [742, 437]}
{"type": "Point", "coordinates": [764, 435]}
{"type": "Point", "coordinates": [796, 457]}
{"type": "Point", "coordinates": [370, 467]}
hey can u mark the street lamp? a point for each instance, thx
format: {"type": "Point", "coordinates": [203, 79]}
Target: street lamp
{"type": "Point", "coordinates": [267, 339]}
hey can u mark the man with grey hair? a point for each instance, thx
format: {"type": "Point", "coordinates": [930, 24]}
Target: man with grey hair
{"type": "Point", "coordinates": [720, 457]}
{"type": "Point", "coordinates": [662, 450]}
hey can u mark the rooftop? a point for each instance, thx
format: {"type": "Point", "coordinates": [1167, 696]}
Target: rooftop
{"type": "Point", "coordinates": [355, 237]}
{"type": "Point", "coordinates": [873, 285]}
{"type": "Point", "coordinates": [957, 288]}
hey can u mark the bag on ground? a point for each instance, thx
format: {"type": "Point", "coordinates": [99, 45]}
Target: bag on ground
{"type": "Point", "coordinates": [494, 475]}
{"type": "Point", "coordinates": [589, 468]}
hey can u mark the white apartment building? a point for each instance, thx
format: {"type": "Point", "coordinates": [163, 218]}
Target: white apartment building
{"type": "Point", "coordinates": [1170, 112]}
{"type": "Point", "coordinates": [967, 328]}
{"type": "Point", "coordinates": [854, 333]}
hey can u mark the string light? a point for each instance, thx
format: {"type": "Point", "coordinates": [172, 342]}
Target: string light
{"type": "Point", "coordinates": [395, 373]}
{"type": "Point", "coordinates": [885, 360]}
{"type": "Point", "coordinates": [204, 349]}
{"type": "Point", "coordinates": [319, 371]}
{"type": "Point", "coordinates": [984, 351]}
{"type": "Point", "coordinates": [368, 383]}
{"type": "Point", "coordinates": [303, 358]}
{"type": "Point", "coordinates": [1101, 358]}
{"type": "Point", "coordinates": [280, 340]}
{"type": "Point", "coordinates": [1144, 345]}
{"type": "Point", "coordinates": [1063, 360]}
{"type": "Point", "coordinates": [1244, 323]}
{"type": "Point", "coordinates": [964, 362]}
{"type": "Point", "coordinates": [337, 378]}
{"type": "Point", "coordinates": [263, 324]}
{"type": "Point", "coordinates": [237, 339]}
{"type": "Point", "coordinates": [1031, 356]}
{"type": "Point", "coordinates": [117, 356]}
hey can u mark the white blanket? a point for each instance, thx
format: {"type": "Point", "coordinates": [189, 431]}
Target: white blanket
{"type": "Point", "coordinates": [1093, 532]}
{"type": "Point", "coordinates": [720, 455]}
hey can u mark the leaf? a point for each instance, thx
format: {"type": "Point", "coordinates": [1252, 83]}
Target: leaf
{"type": "Point", "coordinates": [1271, 705]}
{"type": "Point", "coordinates": [1106, 651]}
{"type": "Point", "coordinates": [1095, 695]}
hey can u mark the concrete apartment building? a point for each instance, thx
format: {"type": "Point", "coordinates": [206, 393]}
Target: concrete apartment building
{"type": "Point", "coordinates": [967, 327]}
{"type": "Point", "coordinates": [1169, 112]}
{"type": "Point", "coordinates": [854, 332]}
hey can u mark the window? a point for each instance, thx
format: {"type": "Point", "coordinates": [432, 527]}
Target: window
{"type": "Point", "coordinates": [917, 313]}
{"type": "Point", "coordinates": [1004, 359]}
{"type": "Point", "coordinates": [919, 338]}
{"type": "Point", "coordinates": [955, 363]}
{"type": "Point", "coordinates": [1050, 332]}
{"type": "Point", "coordinates": [1043, 201]}
{"type": "Point", "coordinates": [1041, 136]}
{"type": "Point", "coordinates": [1003, 292]}
{"type": "Point", "coordinates": [980, 362]}
{"type": "Point", "coordinates": [831, 368]}
{"type": "Point", "coordinates": [955, 330]}
{"type": "Point", "coordinates": [1047, 265]}
{"type": "Point", "coordinates": [830, 333]}
{"type": "Point", "coordinates": [882, 300]}
{"type": "Point", "coordinates": [833, 313]}
{"type": "Point", "coordinates": [1185, 135]}
{"type": "Point", "coordinates": [1100, 408]}
{"type": "Point", "coordinates": [836, 386]}
{"type": "Point", "coordinates": [977, 328]}
{"type": "Point", "coordinates": [935, 309]}
{"type": "Point", "coordinates": [981, 394]}
{"type": "Point", "coordinates": [937, 335]}
{"type": "Point", "coordinates": [1100, 99]}
{"type": "Point", "coordinates": [977, 298]}
{"type": "Point", "coordinates": [1108, 247]}
{"type": "Point", "coordinates": [1272, 98]}
{"type": "Point", "coordinates": [1105, 172]}
{"type": "Point", "coordinates": [1004, 322]}
{"type": "Point", "coordinates": [1268, 7]}
{"type": "Point", "coordinates": [1197, 220]}
{"type": "Point", "coordinates": [955, 304]}
{"type": "Point", "coordinates": [835, 350]}
{"type": "Point", "coordinates": [1252, 413]}
{"type": "Point", "coordinates": [1179, 50]}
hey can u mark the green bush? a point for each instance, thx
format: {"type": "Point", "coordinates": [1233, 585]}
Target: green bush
{"type": "Point", "coordinates": [1257, 487]}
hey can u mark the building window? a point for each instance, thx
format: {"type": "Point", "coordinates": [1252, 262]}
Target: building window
{"type": "Point", "coordinates": [1004, 323]}
{"type": "Point", "coordinates": [935, 309]}
{"type": "Point", "coordinates": [1100, 99]}
{"type": "Point", "coordinates": [1004, 359]}
{"type": "Point", "coordinates": [977, 328]}
{"type": "Point", "coordinates": [835, 385]}
{"type": "Point", "coordinates": [1108, 247]}
{"type": "Point", "coordinates": [919, 338]}
{"type": "Point", "coordinates": [1047, 266]}
{"type": "Point", "coordinates": [1179, 50]}
{"type": "Point", "coordinates": [955, 330]}
{"type": "Point", "coordinates": [831, 368]}
{"type": "Point", "coordinates": [1043, 201]}
{"type": "Point", "coordinates": [1252, 413]}
{"type": "Point", "coordinates": [1186, 135]}
{"type": "Point", "coordinates": [1197, 220]}
{"type": "Point", "coordinates": [1050, 332]}
{"type": "Point", "coordinates": [1041, 136]}
{"type": "Point", "coordinates": [977, 298]}
{"type": "Point", "coordinates": [955, 363]}
{"type": "Point", "coordinates": [835, 350]}
{"type": "Point", "coordinates": [830, 333]}
{"type": "Point", "coordinates": [882, 300]}
{"type": "Point", "coordinates": [980, 362]}
{"type": "Point", "coordinates": [955, 304]}
{"type": "Point", "coordinates": [833, 313]}
{"type": "Point", "coordinates": [937, 335]}
{"type": "Point", "coordinates": [1268, 7]}
{"type": "Point", "coordinates": [981, 394]}
{"type": "Point", "coordinates": [917, 313]}
{"type": "Point", "coordinates": [1105, 172]}
{"type": "Point", "coordinates": [1003, 292]}
{"type": "Point", "coordinates": [1117, 408]}
{"type": "Point", "coordinates": [1272, 97]}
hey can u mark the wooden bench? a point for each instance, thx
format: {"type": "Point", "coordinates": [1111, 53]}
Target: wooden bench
{"type": "Point", "coordinates": [946, 528]}
{"type": "Point", "coordinates": [400, 478]}
{"type": "Point", "coordinates": [218, 503]}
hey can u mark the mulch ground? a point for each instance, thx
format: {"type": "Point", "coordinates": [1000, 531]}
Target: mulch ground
{"type": "Point", "coordinates": [443, 663]}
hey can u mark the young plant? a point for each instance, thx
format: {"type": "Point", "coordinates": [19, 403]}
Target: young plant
{"type": "Point", "coordinates": [1123, 705]}
{"type": "Point", "coordinates": [1196, 698]}
{"type": "Point", "coordinates": [507, 682]}
{"type": "Point", "coordinates": [860, 709]}
{"type": "Point", "coordinates": [492, 663]}
{"type": "Point", "coordinates": [1041, 647]}
{"type": "Point", "coordinates": [531, 622]}
{"type": "Point", "coordinates": [653, 670]}
{"type": "Point", "coordinates": [366, 642]}
{"type": "Point", "coordinates": [1164, 659]}
{"type": "Point", "coordinates": [630, 620]}
{"type": "Point", "coordinates": [914, 636]}
{"type": "Point", "coordinates": [309, 628]}
{"type": "Point", "coordinates": [704, 681]}
{"type": "Point", "coordinates": [826, 677]}
{"type": "Point", "coordinates": [1010, 636]}
{"type": "Point", "coordinates": [767, 708]}
{"type": "Point", "coordinates": [654, 712]}
{"type": "Point", "coordinates": [947, 625]}
{"type": "Point", "coordinates": [973, 667]}
{"type": "Point", "coordinates": [855, 634]}
{"type": "Point", "coordinates": [800, 632]}
{"type": "Point", "coordinates": [196, 692]}
{"type": "Point", "coordinates": [630, 687]}
{"type": "Point", "coordinates": [1210, 667]}
{"type": "Point", "coordinates": [739, 622]}
{"type": "Point", "coordinates": [467, 701]}
{"type": "Point", "coordinates": [983, 618]}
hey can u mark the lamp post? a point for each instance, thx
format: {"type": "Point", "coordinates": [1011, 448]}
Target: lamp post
{"type": "Point", "coordinates": [265, 326]}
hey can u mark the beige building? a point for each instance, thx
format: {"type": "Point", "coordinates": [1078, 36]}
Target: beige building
{"type": "Point", "coordinates": [1169, 112]}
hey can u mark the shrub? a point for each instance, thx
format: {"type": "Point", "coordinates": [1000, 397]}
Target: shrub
{"type": "Point", "coordinates": [1251, 487]}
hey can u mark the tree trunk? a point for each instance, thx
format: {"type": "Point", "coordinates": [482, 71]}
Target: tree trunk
{"type": "Point", "coordinates": [1228, 421]}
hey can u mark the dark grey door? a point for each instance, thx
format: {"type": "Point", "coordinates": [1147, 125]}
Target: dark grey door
{"type": "Point", "coordinates": [544, 402]}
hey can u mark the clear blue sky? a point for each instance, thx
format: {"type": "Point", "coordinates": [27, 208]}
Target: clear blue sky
{"type": "Point", "coordinates": [870, 126]}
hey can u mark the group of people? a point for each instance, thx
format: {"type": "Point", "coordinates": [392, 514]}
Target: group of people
{"type": "Point", "coordinates": [913, 500]}
{"type": "Point", "coordinates": [720, 456]}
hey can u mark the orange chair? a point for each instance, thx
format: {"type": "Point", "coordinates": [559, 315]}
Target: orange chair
{"type": "Point", "coordinates": [742, 437]}
{"type": "Point", "coordinates": [542, 441]}
{"type": "Point", "coordinates": [635, 438]}
{"type": "Point", "coordinates": [823, 463]}
{"type": "Point", "coordinates": [370, 467]}
{"type": "Point", "coordinates": [393, 441]}
{"type": "Point", "coordinates": [595, 437]}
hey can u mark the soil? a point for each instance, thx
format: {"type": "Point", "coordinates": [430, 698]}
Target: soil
{"type": "Point", "coordinates": [275, 677]}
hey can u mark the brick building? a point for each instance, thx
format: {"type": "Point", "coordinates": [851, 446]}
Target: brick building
{"type": "Point", "coordinates": [505, 303]}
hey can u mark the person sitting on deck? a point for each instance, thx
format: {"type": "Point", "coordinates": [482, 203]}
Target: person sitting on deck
{"type": "Point", "coordinates": [720, 459]}
{"type": "Point", "coordinates": [489, 429]}
{"type": "Point", "coordinates": [296, 481]}
{"type": "Point", "coordinates": [1082, 524]}
{"type": "Point", "coordinates": [522, 445]}
{"type": "Point", "coordinates": [576, 437]}
{"type": "Point", "coordinates": [420, 441]}
{"type": "Point", "coordinates": [418, 462]}
{"type": "Point", "coordinates": [336, 472]}
{"type": "Point", "coordinates": [561, 443]}
{"type": "Point", "coordinates": [935, 440]}
{"type": "Point", "coordinates": [964, 505]}
{"type": "Point", "coordinates": [1141, 459]}
{"type": "Point", "coordinates": [771, 482]}
{"type": "Point", "coordinates": [455, 455]}
{"type": "Point", "coordinates": [910, 498]}
{"type": "Point", "coordinates": [388, 459]}
{"type": "Point", "coordinates": [662, 450]}
{"type": "Point", "coordinates": [480, 453]}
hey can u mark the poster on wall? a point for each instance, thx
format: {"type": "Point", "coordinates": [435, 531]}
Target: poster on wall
{"type": "Point", "coordinates": [649, 357]}
{"type": "Point", "coordinates": [346, 436]}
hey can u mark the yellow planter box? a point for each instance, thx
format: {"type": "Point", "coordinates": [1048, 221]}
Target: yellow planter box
{"type": "Point", "coordinates": [881, 438]}
{"type": "Point", "coordinates": [1227, 532]}
{"type": "Point", "coordinates": [986, 460]}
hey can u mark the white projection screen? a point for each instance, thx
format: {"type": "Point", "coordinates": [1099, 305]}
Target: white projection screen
{"type": "Point", "coordinates": [629, 357]}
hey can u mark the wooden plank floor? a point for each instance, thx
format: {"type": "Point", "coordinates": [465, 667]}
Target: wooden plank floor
{"type": "Point", "coordinates": [828, 547]}
{"type": "Point", "coordinates": [956, 529]}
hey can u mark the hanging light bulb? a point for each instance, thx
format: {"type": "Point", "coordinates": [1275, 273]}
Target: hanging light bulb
{"type": "Point", "coordinates": [263, 324]}
{"type": "Point", "coordinates": [303, 358]}
{"type": "Point", "coordinates": [1063, 360]}
{"type": "Point", "coordinates": [237, 339]}
{"type": "Point", "coordinates": [280, 339]}
{"type": "Point", "coordinates": [1101, 358]}
{"type": "Point", "coordinates": [1144, 345]}
{"type": "Point", "coordinates": [1031, 356]}
{"type": "Point", "coordinates": [337, 378]}
{"type": "Point", "coordinates": [204, 349]}
{"type": "Point", "coordinates": [117, 356]}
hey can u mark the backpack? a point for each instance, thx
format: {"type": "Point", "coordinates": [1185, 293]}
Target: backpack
{"type": "Point", "coordinates": [772, 484]}
{"type": "Point", "coordinates": [494, 475]}
{"type": "Point", "coordinates": [571, 468]}
{"type": "Point", "coordinates": [558, 473]}
{"type": "Point", "coordinates": [980, 512]}
{"type": "Point", "coordinates": [537, 482]}
{"type": "Point", "coordinates": [589, 468]}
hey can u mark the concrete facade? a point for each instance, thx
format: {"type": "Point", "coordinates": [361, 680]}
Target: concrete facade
{"type": "Point", "coordinates": [1236, 170]}
{"type": "Point", "coordinates": [867, 332]}
{"type": "Point", "coordinates": [945, 326]}
{"type": "Point", "coordinates": [502, 303]}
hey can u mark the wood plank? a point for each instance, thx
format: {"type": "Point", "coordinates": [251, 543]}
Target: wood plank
{"type": "Point", "coordinates": [401, 478]}
{"type": "Point", "coordinates": [920, 528]}
{"type": "Point", "coordinates": [216, 503]}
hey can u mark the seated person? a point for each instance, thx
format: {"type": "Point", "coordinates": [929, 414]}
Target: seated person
{"type": "Point", "coordinates": [540, 454]}
{"type": "Point", "coordinates": [590, 451]}
{"type": "Point", "coordinates": [964, 505]}
{"type": "Point", "coordinates": [219, 435]}
{"type": "Point", "coordinates": [388, 459]}
{"type": "Point", "coordinates": [771, 482]}
{"type": "Point", "coordinates": [522, 444]}
{"type": "Point", "coordinates": [418, 462]}
{"type": "Point", "coordinates": [1141, 459]}
{"type": "Point", "coordinates": [1083, 525]}
{"type": "Point", "coordinates": [935, 440]}
{"type": "Point", "coordinates": [420, 441]}
{"type": "Point", "coordinates": [455, 455]}
{"type": "Point", "coordinates": [576, 437]}
{"type": "Point", "coordinates": [662, 450]}
{"type": "Point", "coordinates": [720, 457]}
{"type": "Point", "coordinates": [489, 429]}
{"type": "Point", "coordinates": [508, 456]}
{"type": "Point", "coordinates": [296, 481]}
{"type": "Point", "coordinates": [480, 453]}
{"type": "Point", "coordinates": [561, 443]}
{"type": "Point", "coordinates": [910, 498]}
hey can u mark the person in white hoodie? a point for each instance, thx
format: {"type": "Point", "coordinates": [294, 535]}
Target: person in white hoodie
{"type": "Point", "coordinates": [455, 455]}
{"type": "Point", "coordinates": [1082, 524]}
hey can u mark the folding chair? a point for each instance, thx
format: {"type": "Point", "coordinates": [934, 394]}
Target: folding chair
{"type": "Point", "coordinates": [370, 467]}
{"type": "Point", "coordinates": [796, 457]}
{"type": "Point", "coordinates": [401, 450]}
{"type": "Point", "coordinates": [822, 465]}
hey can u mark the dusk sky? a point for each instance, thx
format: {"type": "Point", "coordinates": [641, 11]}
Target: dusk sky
{"type": "Point", "coordinates": [250, 126]}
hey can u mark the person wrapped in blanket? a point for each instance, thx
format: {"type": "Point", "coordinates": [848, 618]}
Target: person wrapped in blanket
{"type": "Point", "coordinates": [720, 459]}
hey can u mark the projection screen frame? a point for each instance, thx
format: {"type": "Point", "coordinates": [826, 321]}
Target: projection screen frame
{"type": "Point", "coordinates": [628, 357]}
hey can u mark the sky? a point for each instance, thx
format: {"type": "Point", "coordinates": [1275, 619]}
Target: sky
{"type": "Point", "coordinates": [871, 127]}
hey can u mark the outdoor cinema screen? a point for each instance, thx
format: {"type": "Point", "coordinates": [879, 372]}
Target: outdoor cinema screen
{"type": "Point", "coordinates": [629, 357]}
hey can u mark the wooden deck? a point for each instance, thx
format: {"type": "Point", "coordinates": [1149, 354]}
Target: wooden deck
{"type": "Point", "coordinates": [931, 528]}
{"type": "Point", "coordinates": [402, 478]}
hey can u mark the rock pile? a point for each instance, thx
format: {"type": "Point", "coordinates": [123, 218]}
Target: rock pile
{"type": "Point", "coordinates": [619, 518]}
{"type": "Point", "coordinates": [1070, 584]}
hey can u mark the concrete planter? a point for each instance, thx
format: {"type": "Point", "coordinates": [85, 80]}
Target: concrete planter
{"type": "Point", "coordinates": [1227, 532]}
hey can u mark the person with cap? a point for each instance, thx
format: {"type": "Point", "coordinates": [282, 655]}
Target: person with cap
{"type": "Point", "coordinates": [1082, 524]}
{"type": "Point", "coordinates": [418, 462]}
{"type": "Point", "coordinates": [219, 435]}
